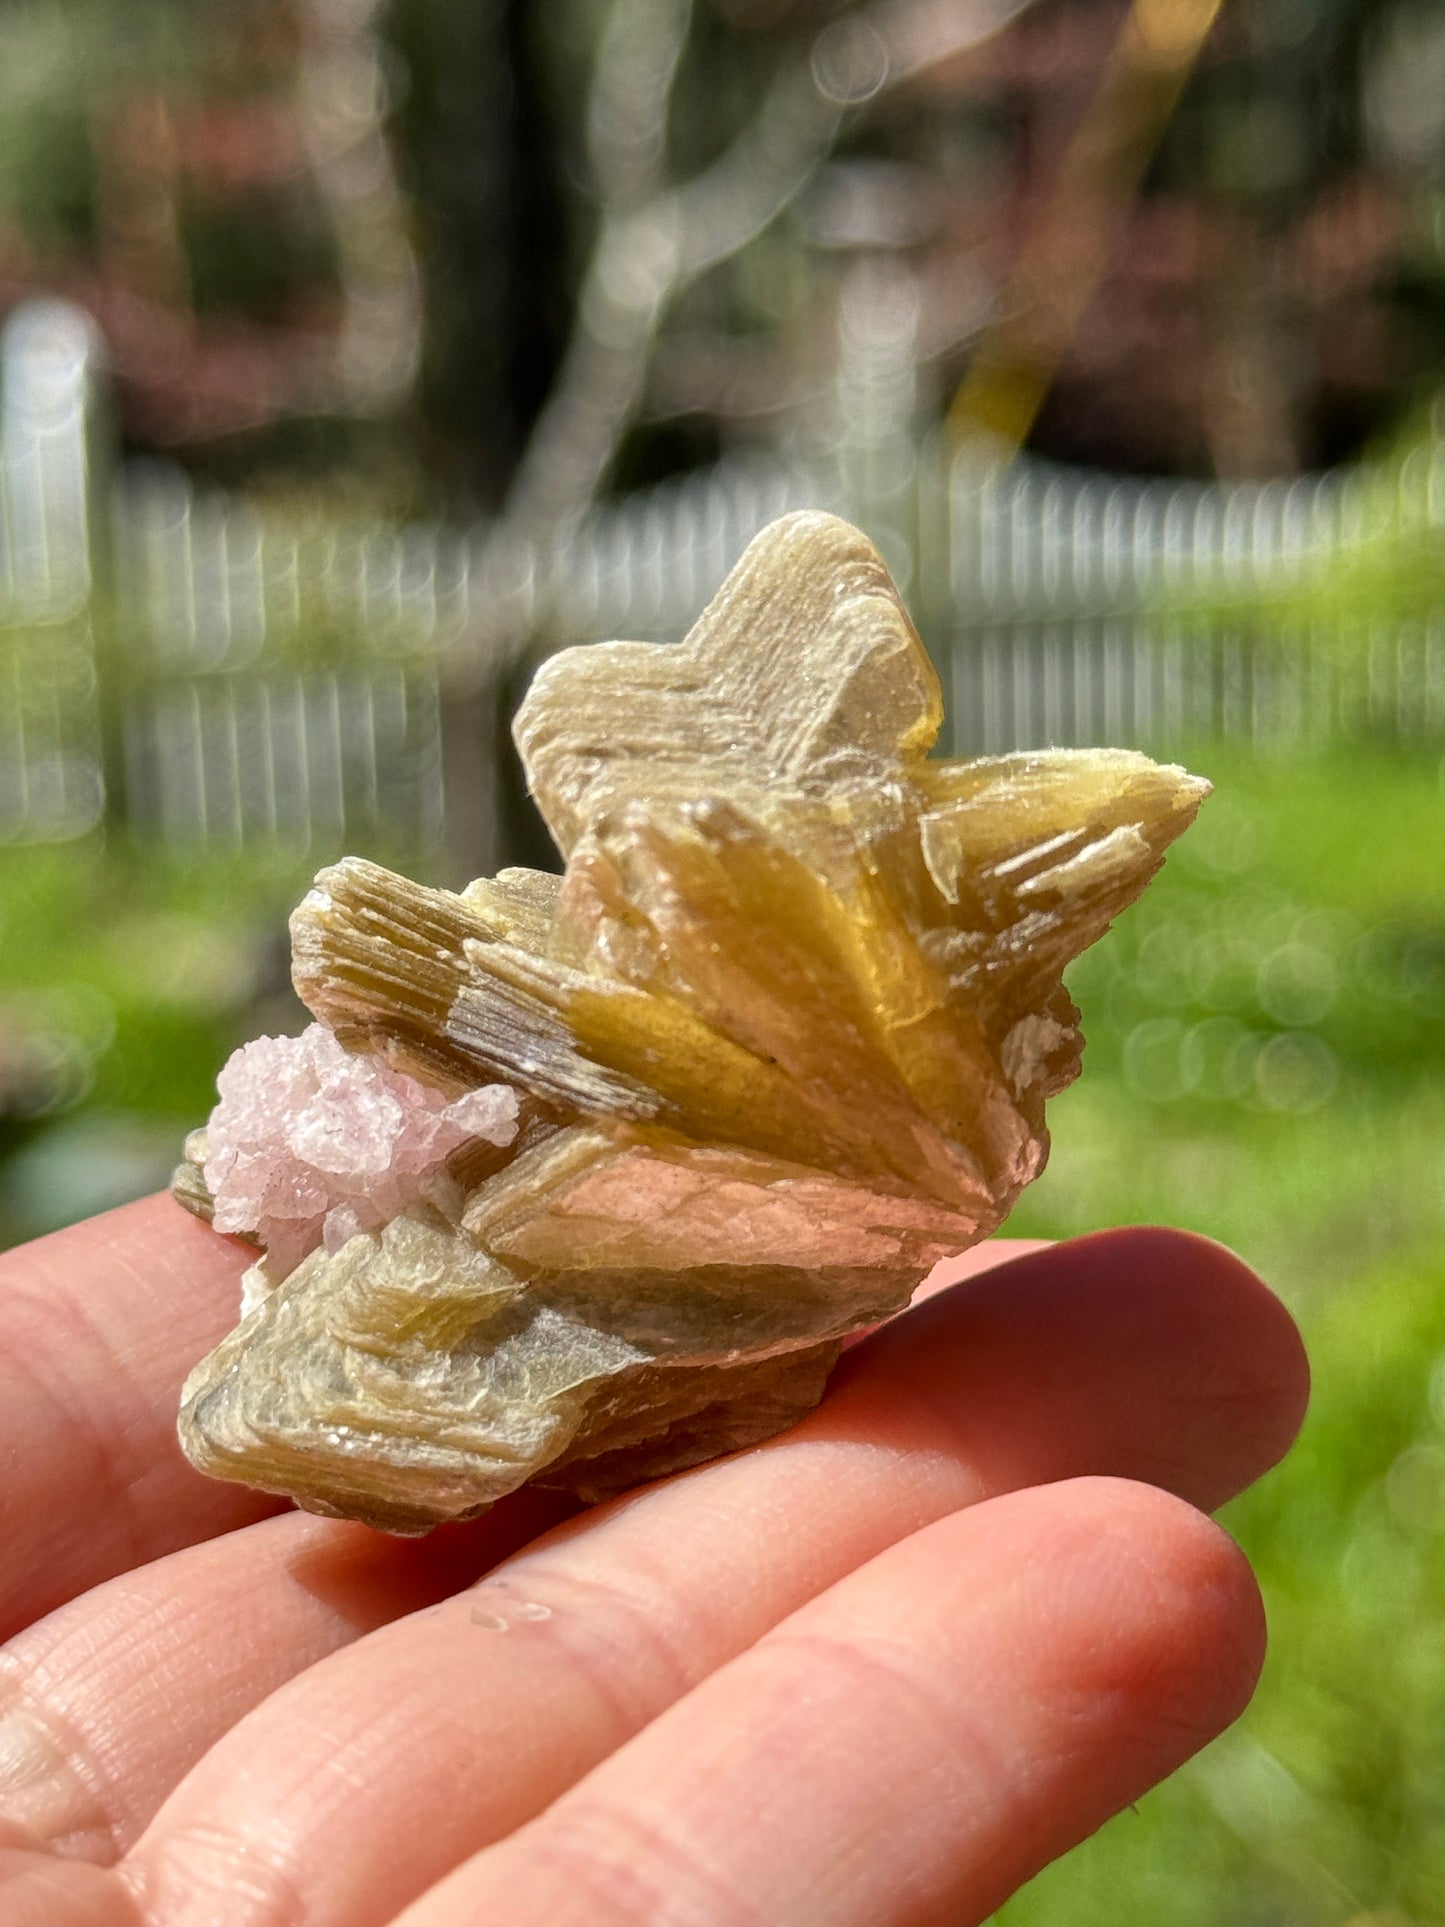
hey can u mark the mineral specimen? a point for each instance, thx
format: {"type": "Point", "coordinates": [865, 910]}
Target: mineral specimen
{"type": "Point", "coordinates": [586, 1177]}
{"type": "Point", "coordinates": [311, 1144]}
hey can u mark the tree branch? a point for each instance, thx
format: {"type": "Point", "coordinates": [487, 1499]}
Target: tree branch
{"type": "Point", "coordinates": [651, 247]}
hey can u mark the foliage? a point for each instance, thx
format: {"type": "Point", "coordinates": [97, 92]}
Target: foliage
{"type": "Point", "coordinates": [1309, 918]}
{"type": "Point", "coordinates": [123, 984]}
{"type": "Point", "coordinates": [1378, 569]}
{"type": "Point", "coordinates": [1326, 1804]}
{"type": "Point", "coordinates": [1266, 1038]}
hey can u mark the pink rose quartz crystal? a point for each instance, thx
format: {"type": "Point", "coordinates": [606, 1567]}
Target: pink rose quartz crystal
{"type": "Point", "coordinates": [581, 1179]}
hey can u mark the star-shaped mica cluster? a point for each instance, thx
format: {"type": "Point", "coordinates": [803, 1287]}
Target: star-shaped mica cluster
{"type": "Point", "coordinates": [778, 1040]}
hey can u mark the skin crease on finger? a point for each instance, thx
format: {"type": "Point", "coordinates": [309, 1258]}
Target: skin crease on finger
{"type": "Point", "coordinates": [366, 1780]}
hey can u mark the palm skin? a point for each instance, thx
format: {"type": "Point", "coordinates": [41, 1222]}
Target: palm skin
{"type": "Point", "coordinates": [873, 1673]}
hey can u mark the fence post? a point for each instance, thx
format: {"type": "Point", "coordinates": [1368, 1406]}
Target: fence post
{"type": "Point", "coordinates": [51, 355]}
{"type": "Point", "coordinates": [52, 490]}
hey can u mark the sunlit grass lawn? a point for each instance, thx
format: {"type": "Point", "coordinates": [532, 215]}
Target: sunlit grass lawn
{"type": "Point", "coordinates": [1267, 1043]}
{"type": "Point", "coordinates": [1268, 1047]}
{"type": "Point", "coordinates": [123, 984]}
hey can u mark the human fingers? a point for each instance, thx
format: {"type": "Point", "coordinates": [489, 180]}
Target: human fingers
{"type": "Point", "coordinates": [911, 1746]}
{"type": "Point", "coordinates": [99, 1324]}
{"type": "Point", "coordinates": [39, 1890]}
{"type": "Point", "coordinates": [106, 1702]}
{"type": "Point", "coordinates": [369, 1776]}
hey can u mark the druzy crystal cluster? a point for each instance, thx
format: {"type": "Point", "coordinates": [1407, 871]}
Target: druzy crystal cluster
{"type": "Point", "coordinates": [311, 1144]}
{"type": "Point", "coordinates": [581, 1179]}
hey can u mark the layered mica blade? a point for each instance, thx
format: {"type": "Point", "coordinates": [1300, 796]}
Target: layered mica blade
{"type": "Point", "coordinates": [780, 1039]}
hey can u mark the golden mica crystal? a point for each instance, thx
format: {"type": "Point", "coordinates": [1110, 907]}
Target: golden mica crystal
{"type": "Point", "coordinates": [782, 1035]}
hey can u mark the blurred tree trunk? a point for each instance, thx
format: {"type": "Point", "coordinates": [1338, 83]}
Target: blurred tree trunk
{"type": "Point", "coordinates": [478, 147]}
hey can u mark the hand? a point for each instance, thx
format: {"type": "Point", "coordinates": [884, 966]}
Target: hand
{"type": "Point", "coordinates": [877, 1671]}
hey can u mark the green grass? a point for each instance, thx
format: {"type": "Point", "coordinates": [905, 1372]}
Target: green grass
{"type": "Point", "coordinates": [1326, 1803]}
{"type": "Point", "coordinates": [124, 982]}
{"type": "Point", "coordinates": [1266, 1064]}
{"type": "Point", "coordinates": [1323, 1165]}
{"type": "Point", "coordinates": [1266, 1057]}
{"type": "Point", "coordinates": [1382, 570]}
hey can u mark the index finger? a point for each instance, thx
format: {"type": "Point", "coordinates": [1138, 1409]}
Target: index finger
{"type": "Point", "coordinates": [99, 1325]}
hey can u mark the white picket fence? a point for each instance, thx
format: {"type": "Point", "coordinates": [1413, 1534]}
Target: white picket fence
{"type": "Point", "coordinates": [211, 672]}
